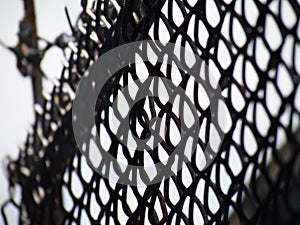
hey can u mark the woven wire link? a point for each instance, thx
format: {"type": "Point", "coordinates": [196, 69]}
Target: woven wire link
{"type": "Point", "coordinates": [254, 179]}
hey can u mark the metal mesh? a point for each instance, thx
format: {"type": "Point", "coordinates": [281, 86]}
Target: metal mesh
{"type": "Point", "coordinates": [252, 45]}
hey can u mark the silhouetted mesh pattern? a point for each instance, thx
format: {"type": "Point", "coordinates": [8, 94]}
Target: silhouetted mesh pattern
{"type": "Point", "coordinates": [255, 49]}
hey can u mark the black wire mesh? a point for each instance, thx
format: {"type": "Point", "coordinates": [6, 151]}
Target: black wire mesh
{"type": "Point", "coordinates": [254, 47]}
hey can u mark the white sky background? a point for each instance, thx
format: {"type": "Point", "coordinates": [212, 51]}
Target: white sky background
{"type": "Point", "coordinates": [15, 91]}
